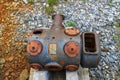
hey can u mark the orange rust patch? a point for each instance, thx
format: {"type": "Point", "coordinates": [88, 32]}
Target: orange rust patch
{"type": "Point", "coordinates": [71, 67]}
{"type": "Point", "coordinates": [3, 11]}
{"type": "Point", "coordinates": [72, 49]}
{"type": "Point", "coordinates": [34, 48]}
{"type": "Point", "coordinates": [53, 67]}
{"type": "Point", "coordinates": [72, 31]}
{"type": "Point", "coordinates": [36, 66]}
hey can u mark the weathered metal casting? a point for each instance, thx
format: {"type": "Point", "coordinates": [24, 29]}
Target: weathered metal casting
{"type": "Point", "coordinates": [58, 48]}
{"type": "Point", "coordinates": [91, 50]}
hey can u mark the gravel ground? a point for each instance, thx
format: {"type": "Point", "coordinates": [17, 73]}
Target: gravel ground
{"type": "Point", "coordinates": [95, 16]}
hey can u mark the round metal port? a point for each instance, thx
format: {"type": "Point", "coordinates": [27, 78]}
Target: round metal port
{"type": "Point", "coordinates": [72, 49]}
{"type": "Point", "coordinates": [71, 67]}
{"type": "Point", "coordinates": [34, 47]}
{"type": "Point", "coordinates": [72, 31]}
{"type": "Point", "coordinates": [53, 67]}
{"type": "Point", "coordinates": [36, 66]}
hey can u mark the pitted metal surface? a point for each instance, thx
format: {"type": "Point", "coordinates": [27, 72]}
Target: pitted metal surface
{"type": "Point", "coordinates": [58, 48]}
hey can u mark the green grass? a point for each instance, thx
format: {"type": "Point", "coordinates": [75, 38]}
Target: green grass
{"type": "Point", "coordinates": [49, 10]}
{"type": "Point", "coordinates": [115, 38]}
{"type": "Point", "coordinates": [70, 23]}
{"type": "Point", "coordinates": [118, 45]}
{"type": "Point", "coordinates": [31, 1]}
{"type": "Point", "coordinates": [118, 23]}
{"type": "Point", "coordinates": [52, 2]}
{"type": "Point", "coordinates": [84, 1]}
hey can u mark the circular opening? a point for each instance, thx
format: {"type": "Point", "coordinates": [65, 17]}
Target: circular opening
{"type": "Point", "coordinates": [53, 67]}
{"type": "Point", "coordinates": [34, 48]}
{"type": "Point", "coordinates": [37, 32]}
{"type": "Point", "coordinates": [72, 49]}
{"type": "Point", "coordinates": [53, 37]}
{"type": "Point", "coordinates": [70, 38]}
{"type": "Point", "coordinates": [71, 67]}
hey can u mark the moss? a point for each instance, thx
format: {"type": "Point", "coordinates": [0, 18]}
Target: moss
{"type": "Point", "coordinates": [118, 23]}
{"type": "Point", "coordinates": [31, 1]}
{"type": "Point", "coordinates": [115, 37]}
{"type": "Point", "coordinates": [118, 46]}
{"type": "Point", "coordinates": [84, 1]}
{"type": "Point", "coordinates": [49, 10]}
{"type": "Point", "coordinates": [52, 2]}
{"type": "Point", "coordinates": [70, 23]}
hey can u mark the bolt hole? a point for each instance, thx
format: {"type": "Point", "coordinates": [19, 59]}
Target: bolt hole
{"type": "Point", "coordinates": [72, 49]}
{"type": "Point", "coordinates": [33, 48]}
{"type": "Point", "coordinates": [37, 32]}
{"type": "Point", "coordinates": [36, 37]}
{"type": "Point", "coordinates": [53, 37]}
{"type": "Point", "coordinates": [70, 38]}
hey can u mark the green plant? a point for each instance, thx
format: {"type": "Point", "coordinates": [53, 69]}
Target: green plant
{"type": "Point", "coordinates": [70, 23]}
{"type": "Point", "coordinates": [115, 37]}
{"type": "Point", "coordinates": [84, 1]}
{"type": "Point", "coordinates": [118, 23]}
{"type": "Point", "coordinates": [52, 2]}
{"type": "Point", "coordinates": [31, 1]}
{"type": "Point", "coordinates": [49, 9]}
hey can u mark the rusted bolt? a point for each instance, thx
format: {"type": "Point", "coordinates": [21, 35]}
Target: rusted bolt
{"type": "Point", "coordinates": [71, 67]}
{"type": "Point", "coordinates": [34, 47]}
{"type": "Point", "coordinates": [36, 66]}
{"type": "Point", "coordinates": [72, 49]}
{"type": "Point", "coordinates": [72, 31]}
{"type": "Point", "coordinates": [53, 67]}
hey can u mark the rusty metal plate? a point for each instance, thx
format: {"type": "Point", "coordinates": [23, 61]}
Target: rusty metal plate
{"type": "Point", "coordinates": [72, 49]}
{"type": "Point", "coordinates": [71, 67]}
{"type": "Point", "coordinates": [72, 31]}
{"type": "Point", "coordinates": [34, 47]}
{"type": "Point", "coordinates": [36, 66]}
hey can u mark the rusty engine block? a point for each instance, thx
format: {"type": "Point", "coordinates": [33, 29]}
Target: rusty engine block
{"type": "Point", "coordinates": [58, 48]}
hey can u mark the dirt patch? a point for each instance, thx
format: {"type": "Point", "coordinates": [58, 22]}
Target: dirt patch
{"type": "Point", "coordinates": [11, 50]}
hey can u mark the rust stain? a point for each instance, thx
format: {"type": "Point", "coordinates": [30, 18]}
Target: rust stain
{"type": "Point", "coordinates": [53, 67]}
{"type": "Point", "coordinates": [34, 47]}
{"type": "Point", "coordinates": [36, 66]}
{"type": "Point", "coordinates": [71, 67]}
{"type": "Point", "coordinates": [72, 49]}
{"type": "Point", "coordinates": [72, 31]}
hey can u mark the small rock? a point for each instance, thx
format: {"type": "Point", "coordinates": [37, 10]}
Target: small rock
{"type": "Point", "coordinates": [25, 1]}
{"type": "Point", "coordinates": [24, 75]}
{"type": "Point", "coordinates": [2, 60]}
{"type": "Point", "coordinates": [1, 66]}
{"type": "Point", "coordinates": [43, 1]}
{"type": "Point", "coordinates": [10, 58]}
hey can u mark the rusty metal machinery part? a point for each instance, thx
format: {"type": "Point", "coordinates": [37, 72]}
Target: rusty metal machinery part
{"type": "Point", "coordinates": [71, 67]}
{"type": "Point", "coordinates": [34, 47]}
{"type": "Point", "coordinates": [72, 31]}
{"type": "Point", "coordinates": [54, 67]}
{"type": "Point", "coordinates": [36, 66]}
{"type": "Point", "coordinates": [57, 22]}
{"type": "Point", "coordinates": [72, 49]}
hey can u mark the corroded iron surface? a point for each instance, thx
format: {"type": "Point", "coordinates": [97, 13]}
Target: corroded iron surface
{"type": "Point", "coordinates": [72, 49]}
